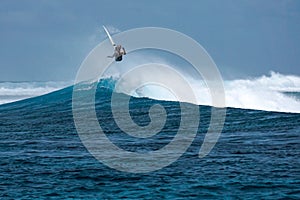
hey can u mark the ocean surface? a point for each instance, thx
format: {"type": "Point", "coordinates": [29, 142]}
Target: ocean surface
{"type": "Point", "coordinates": [256, 157]}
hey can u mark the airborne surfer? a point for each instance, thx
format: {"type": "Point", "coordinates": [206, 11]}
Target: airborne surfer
{"type": "Point", "coordinates": [119, 50]}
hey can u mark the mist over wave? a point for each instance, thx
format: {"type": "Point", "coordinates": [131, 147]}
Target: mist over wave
{"type": "Point", "coordinates": [269, 92]}
{"type": "Point", "coordinates": [14, 91]}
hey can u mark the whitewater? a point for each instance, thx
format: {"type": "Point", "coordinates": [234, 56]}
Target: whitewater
{"type": "Point", "coordinates": [273, 92]}
{"type": "Point", "coordinates": [15, 91]}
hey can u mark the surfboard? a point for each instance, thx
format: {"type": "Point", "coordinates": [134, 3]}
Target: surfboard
{"type": "Point", "coordinates": [109, 36]}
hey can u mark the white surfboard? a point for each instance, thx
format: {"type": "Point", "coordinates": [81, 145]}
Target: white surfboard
{"type": "Point", "coordinates": [109, 36]}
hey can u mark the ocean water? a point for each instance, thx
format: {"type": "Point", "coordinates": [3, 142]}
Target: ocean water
{"type": "Point", "coordinates": [42, 156]}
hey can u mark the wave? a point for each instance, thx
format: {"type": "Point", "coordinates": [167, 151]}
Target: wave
{"type": "Point", "coordinates": [15, 91]}
{"type": "Point", "coordinates": [273, 92]}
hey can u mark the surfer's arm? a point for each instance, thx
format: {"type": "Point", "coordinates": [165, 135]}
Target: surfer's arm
{"type": "Point", "coordinates": [112, 55]}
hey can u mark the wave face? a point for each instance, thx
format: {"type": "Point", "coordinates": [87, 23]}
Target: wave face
{"type": "Point", "coordinates": [15, 91]}
{"type": "Point", "coordinates": [42, 157]}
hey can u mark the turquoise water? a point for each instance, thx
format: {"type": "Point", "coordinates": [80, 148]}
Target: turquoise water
{"type": "Point", "coordinates": [41, 155]}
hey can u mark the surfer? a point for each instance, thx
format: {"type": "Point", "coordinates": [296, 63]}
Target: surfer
{"type": "Point", "coordinates": [119, 50]}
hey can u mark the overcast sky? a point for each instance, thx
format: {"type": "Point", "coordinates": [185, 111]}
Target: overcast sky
{"type": "Point", "coordinates": [44, 40]}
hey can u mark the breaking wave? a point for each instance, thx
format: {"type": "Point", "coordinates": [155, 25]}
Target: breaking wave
{"type": "Point", "coordinates": [273, 92]}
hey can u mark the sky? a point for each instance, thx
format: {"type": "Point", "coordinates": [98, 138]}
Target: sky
{"type": "Point", "coordinates": [46, 40]}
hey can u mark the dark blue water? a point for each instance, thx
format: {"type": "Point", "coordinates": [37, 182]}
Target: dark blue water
{"type": "Point", "coordinates": [41, 155]}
